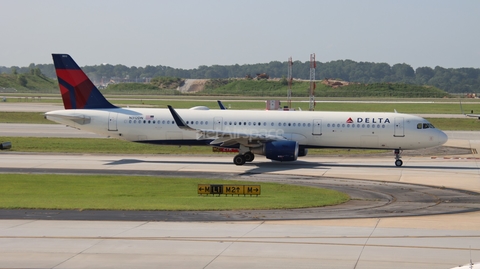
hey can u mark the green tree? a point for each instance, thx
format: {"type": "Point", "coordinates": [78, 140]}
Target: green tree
{"type": "Point", "coordinates": [22, 80]}
{"type": "Point", "coordinates": [403, 71]}
{"type": "Point", "coordinates": [37, 72]}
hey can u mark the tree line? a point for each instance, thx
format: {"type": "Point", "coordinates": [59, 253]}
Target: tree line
{"type": "Point", "coordinates": [453, 80]}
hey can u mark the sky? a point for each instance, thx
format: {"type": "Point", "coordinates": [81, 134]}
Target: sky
{"type": "Point", "coordinates": [188, 34]}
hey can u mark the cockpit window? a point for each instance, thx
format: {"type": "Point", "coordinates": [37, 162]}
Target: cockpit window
{"type": "Point", "coordinates": [425, 126]}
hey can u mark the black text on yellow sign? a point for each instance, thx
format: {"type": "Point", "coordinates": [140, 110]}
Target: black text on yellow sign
{"type": "Point", "coordinates": [229, 189]}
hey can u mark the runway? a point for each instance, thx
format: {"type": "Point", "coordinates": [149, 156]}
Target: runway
{"type": "Point", "coordinates": [37, 240]}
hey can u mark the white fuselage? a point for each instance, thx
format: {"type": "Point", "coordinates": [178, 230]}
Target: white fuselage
{"type": "Point", "coordinates": [310, 129]}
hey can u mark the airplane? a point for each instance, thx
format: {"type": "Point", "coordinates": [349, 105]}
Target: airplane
{"type": "Point", "coordinates": [470, 265]}
{"type": "Point", "coordinates": [469, 115]}
{"type": "Point", "coordinates": [278, 135]}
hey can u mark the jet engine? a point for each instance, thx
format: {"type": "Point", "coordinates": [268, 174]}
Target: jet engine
{"type": "Point", "coordinates": [283, 151]}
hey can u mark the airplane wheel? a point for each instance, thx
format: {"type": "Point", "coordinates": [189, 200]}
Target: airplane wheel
{"type": "Point", "coordinates": [239, 159]}
{"type": "Point", "coordinates": [249, 156]}
{"type": "Point", "coordinates": [398, 163]}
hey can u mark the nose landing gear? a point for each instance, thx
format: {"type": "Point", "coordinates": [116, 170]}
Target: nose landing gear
{"type": "Point", "coordinates": [398, 160]}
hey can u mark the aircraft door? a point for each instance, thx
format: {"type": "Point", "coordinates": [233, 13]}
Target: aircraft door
{"type": "Point", "coordinates": [317, 127]}
{"type": "Point", "coordinates": [112, 121]}
{"type": "Point", "coordinates": [399, 130]}
{"type": "Point", "coordinates": [217, 123]}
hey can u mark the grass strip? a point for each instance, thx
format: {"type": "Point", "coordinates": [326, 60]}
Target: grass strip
{"type": "Point", "coordinates": [24, 117]}
{"type": "Point", "coordinates": [106, 192]}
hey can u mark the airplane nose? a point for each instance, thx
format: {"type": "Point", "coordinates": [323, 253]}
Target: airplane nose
{"type": "Point", "coordinates": [442, 138]}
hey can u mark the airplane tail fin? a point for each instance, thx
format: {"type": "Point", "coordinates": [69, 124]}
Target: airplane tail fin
{"type": "Point", "coordinates": [78, 92]}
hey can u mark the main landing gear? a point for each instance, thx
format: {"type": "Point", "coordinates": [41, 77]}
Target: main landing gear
{"type": "Point", "coordinates": [241, 159]}
{"type": "Point", "coordinates": [398, 161]}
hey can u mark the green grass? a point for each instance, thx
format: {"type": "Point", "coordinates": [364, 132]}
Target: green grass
{"type": "Point", "coordinates": [100, 192]}
{"type": "Point", "coordinates": [464, 124]}
{"type": "Point", "coordinates": [35, 84]}
{"type": "Point", "coordinates": [242, 87]}
{"type": "Point", "coordinates": [23, 117]}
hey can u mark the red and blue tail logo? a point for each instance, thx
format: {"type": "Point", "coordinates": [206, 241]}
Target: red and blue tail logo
{"type": "Point", "coordinates": [78, 92]}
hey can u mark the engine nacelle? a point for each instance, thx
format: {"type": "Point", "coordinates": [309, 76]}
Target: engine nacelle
{"type": "Point", "coordinates": [279, 150]}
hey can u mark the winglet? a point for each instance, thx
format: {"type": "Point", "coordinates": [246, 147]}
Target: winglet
{"type": "Point", "coordinates": [220, 104]}
{"type": "Point", "coordinates": [178, 120]}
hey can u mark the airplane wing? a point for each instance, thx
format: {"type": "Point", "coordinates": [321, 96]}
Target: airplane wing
{"type": "Point", "coordinates": [473, 115]}
{"type": "Point", "coordinates": [468, 115]}
{"type": "Point", "coordinates": [468, 266]}
{"type": "Point", "coordinates": [225, 139]}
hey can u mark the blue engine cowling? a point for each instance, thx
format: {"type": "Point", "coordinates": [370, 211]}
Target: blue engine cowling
{"type": "Point", "coordinates": [281, 150]}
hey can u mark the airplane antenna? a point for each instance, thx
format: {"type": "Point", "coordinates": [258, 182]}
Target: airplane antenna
{"type": "Point", "coordinates": [289, 91]}
{"type": "Point", "coordinates": [313, 65]}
